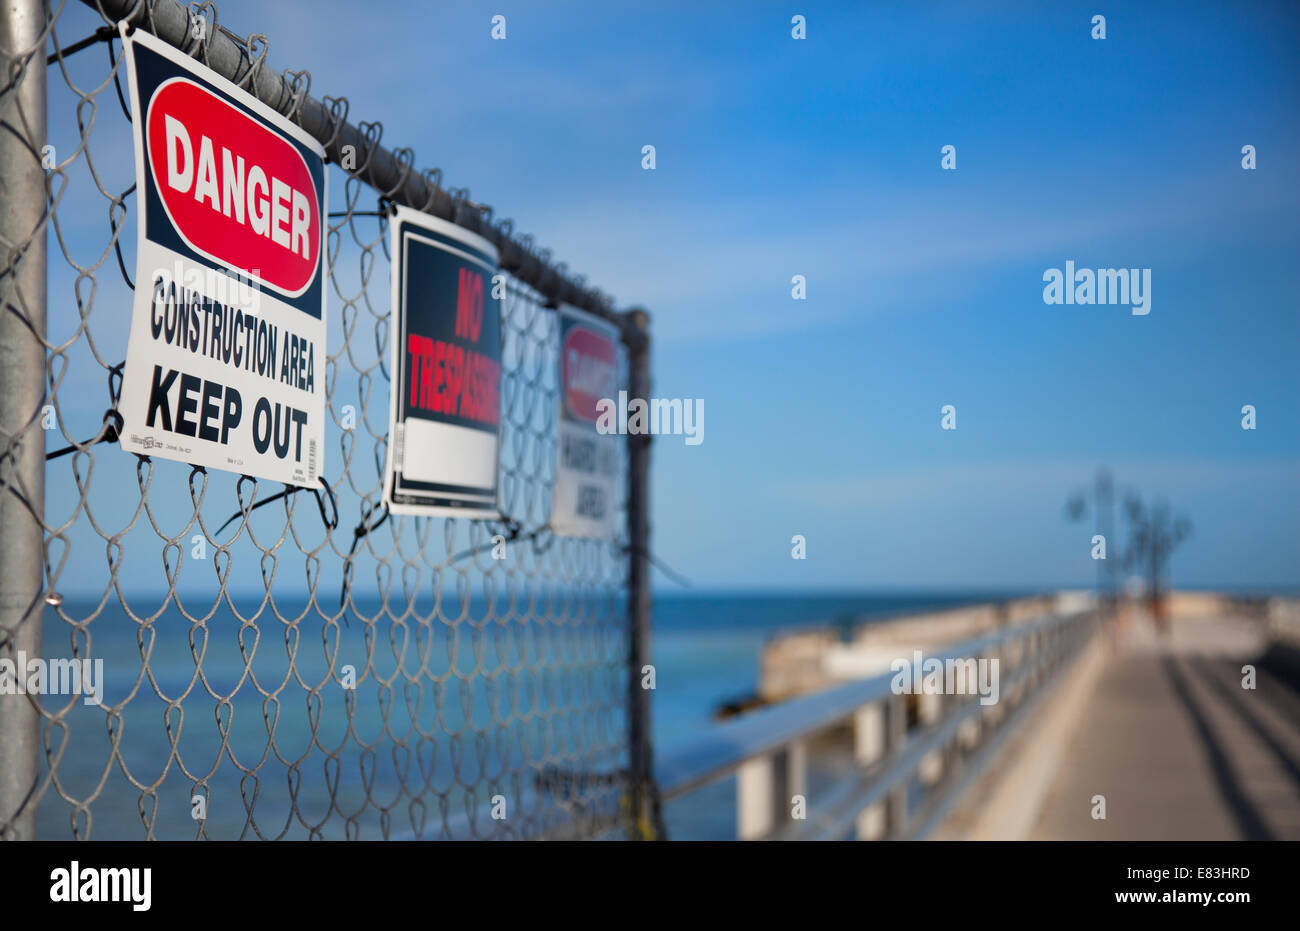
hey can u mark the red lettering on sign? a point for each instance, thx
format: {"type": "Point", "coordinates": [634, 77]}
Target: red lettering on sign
{"type": "Point", "coordinates": [236, 191]}
{"type": "Point", "coordinates": [449, 379]}
{"type": "Point", "coordinates": [469, 305]}
{"type": "Point", "coordinates": [590, 369]}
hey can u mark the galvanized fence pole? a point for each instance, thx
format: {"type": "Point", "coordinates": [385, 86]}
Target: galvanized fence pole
{"type": "Point", "coordinates": [645, 816]}
{"type": "Point", "coordinates": [22, 393]}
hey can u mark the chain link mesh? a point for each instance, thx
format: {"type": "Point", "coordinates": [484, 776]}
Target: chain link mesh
{"type": "Point", "coordinates": [490, 695]}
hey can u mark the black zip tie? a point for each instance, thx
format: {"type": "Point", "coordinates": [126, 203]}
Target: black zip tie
{"type": "Point", "coordinates": [293, 490]}
{"type": "Point", "coordinates": [115, 388]}
{"type": "Point", "coordinates": [102, 34]}
{"type": "Point", "coordinates": [658, 564]}
{"type": "Point", "coordinates": [109, 433]}
{"type": "Point", "coordinates": [511, 535]}
{"type": "Point", "coordinates": [112, 61]}
{"type": "Point", "coordinates": [117, 239]}
{"type": "Point", "coordinates": [537, 534]}
{"type": "Point", "coordinates": [363, 529]}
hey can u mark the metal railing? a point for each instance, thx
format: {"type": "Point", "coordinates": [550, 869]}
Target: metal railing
{"type": "Point", "coordinates": [493, 698]}
{"type": "Point", "coordinates": [904, 779]}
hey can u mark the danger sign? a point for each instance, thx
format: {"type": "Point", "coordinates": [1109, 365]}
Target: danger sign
{"type": "Point", "coordinates": [445, 411]}
{"type": "Point", "coordinates": [225, 364]}
{"type": "Point", "coordinates": [586, 471]}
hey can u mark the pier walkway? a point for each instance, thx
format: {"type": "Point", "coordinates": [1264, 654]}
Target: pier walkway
{"type": "Point", "coordinates": [1177, 746]}
{"type": "Point", "coordinates": [1102, 730]}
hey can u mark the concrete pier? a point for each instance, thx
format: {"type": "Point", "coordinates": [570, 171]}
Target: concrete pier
{"type": "Point", "coordinates": [1178, 748]}
{"type": "Point", "coordinates": [1103, 728]}
{"type": "Point", "coordinates": [1166, 730]}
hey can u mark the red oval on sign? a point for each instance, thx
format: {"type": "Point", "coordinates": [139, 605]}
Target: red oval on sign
{"type": "Point", "coordinates": [236, 191]}
{"type": "Point", "coordinates": [590, 367]}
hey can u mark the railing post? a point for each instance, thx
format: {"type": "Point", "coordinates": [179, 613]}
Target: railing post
{"type": "Point", "coordinates": [879, 732]}
{"type": "Point", "coordinates": [22, 392]}
{"type": "Point", "coordinates": [755, 794]}
{"type": "Point", "coordinates": [870, 739]}
{"type": "Point", "coordinates": [796, 776]}
{"type": "Point", "coordinates": [765, 788]}
{"type": "Point", "coordinates": [895, 738]}
{"type": "Point", "coordinates": [644, 800]}
{"type": "Point", "coordinates": [930, 711]}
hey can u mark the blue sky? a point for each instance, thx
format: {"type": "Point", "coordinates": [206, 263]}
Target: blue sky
{"type": "Point", "coordinates": [821, 157]}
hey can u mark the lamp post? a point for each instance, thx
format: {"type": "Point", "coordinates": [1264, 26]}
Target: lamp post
{"type": "Point", "coordinates": [1154, 536]}
{"type": "Point", "coordinates": [1103, 511]}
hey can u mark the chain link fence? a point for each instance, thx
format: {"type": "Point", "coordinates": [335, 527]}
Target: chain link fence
{"type": "Point", "coordinates": [314, 668]}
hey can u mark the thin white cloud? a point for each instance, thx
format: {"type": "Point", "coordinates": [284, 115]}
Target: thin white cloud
{"type": "Point", "coordinates": [722, 269]}
{"type": "Point", "coordinates": [1055, 478]}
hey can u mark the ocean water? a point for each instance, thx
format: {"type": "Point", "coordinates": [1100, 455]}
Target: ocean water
{"type": "Point", "coordinates": [705, 649]}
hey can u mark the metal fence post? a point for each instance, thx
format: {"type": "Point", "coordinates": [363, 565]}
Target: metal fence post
{"type": "Point", "coordinates": [646, 820]}
{"type": "Point", "coordinates": [22, 392]}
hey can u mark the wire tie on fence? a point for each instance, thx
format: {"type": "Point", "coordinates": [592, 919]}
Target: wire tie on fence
{"type": "Point", "coordinates": [117, 235]}
{"type": "Point", "coordinates": [658, 564]}
{"type": "Point", "coordinates": [513, 527]}
{"type": "Point", "coordinates": [102, 34]}
{"type": "Point", "coordinates": [363, 529]}
{"type": "Point", "coordinates": [293, 490]}
{"type": "Point", "coordinates": [537, 535]}
{"type": "Point", "coordinates": [387, 208]}
{"type": "Point", "coordinates": [109, 433]}
{"type": "Point", "coordinates": [112, 62]}
{"type": "Point", "coordinates": [330, 524]}
{"type": "Point", "coordinates": [115, 382]}
{"type": "Point", "coordinates": [512, 534]}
